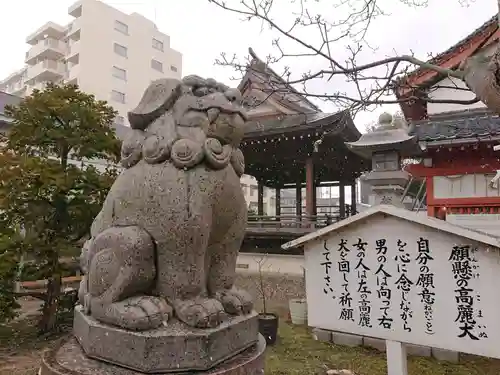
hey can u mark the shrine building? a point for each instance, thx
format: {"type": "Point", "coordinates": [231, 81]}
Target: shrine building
{"type": "Point", "coordinates": [290, 143]}
{"type": "Point", "coordinates": [458, 161]}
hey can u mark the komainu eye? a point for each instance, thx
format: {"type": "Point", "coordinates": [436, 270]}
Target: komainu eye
{"type": "Point", "coordinates": [201, 91]}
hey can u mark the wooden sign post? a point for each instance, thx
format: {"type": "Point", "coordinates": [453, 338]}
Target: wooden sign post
{"type": "Point", "coordinates": [397, 361]}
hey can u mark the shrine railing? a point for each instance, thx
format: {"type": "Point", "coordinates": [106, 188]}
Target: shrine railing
{"type": "Point", "coordinates": [291, 221]}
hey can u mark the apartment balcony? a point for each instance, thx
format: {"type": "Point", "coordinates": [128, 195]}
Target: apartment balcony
{"type": "Point", "coordinates": [49, 48]}
{"type": "Point", "coordinates": [73, 55]}
{"type": "Point", "coordinates": [73, 73]}
{"type": "Point", "coordinates": [74, 28]}
{"type": "Point", "coordinates": [37, 86]}
{"type": "Point", "coordinates": [49, 30]}
{"type": "Point", "coordinates": [16, 88]}
{"type": "Point", "coordinates": [47, 70]}
{"type": "Point", "coordinates": [75, 10]}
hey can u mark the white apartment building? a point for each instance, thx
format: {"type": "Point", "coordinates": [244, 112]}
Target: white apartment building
{"type": "Point", "coordinates": [250, 189]}
{"type": "Point", "coordinates": [108, 53]}
{"type": "Point", "coordinates": [112, 55]}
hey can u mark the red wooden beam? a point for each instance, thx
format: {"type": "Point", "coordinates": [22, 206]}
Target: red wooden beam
{"type": "Point", "coordinates": [419, 170]}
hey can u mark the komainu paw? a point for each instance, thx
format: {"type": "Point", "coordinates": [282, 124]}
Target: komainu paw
{"type": "Point", "coordinates": [235, 301]}
{"type": "Point", "coordinates": [200, 312]}
{"type": "Point", "coordinates": [136, 313]}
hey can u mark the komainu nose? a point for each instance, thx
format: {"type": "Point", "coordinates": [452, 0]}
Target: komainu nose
{"type": "Point", "coordinates": [234, 96]}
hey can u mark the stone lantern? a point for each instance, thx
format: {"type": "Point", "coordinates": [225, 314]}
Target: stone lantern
{"type": "Point", "coordinates": [387, 145]}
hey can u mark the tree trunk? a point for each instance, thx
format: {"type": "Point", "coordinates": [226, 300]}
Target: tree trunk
{"type": "Point", "coordinates": [482, 76]}
{"type": "Point", "coordinates": [49, 317]}
{"type": "Point", "coordinates": [49, 312]}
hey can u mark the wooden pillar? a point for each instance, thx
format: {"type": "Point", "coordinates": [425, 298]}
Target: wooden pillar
{"type": "Point", "coordinates": [353, 198]}
{"type": "Point", "coordinates": [310, 187]}
{"type": "Point", "coordinates": [298, 199]}
{"type": "Point", "coordinates": [260, 199]}
{"type": "Point", "coordinates": [315, 198]}
{"type": "Point", "coordinates": [278, 202]}
{"type": "Point", "coordinates": [341, 200]}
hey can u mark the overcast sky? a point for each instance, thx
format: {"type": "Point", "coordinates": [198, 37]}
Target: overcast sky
{"type": "Point", "coordinates": [201, 31]}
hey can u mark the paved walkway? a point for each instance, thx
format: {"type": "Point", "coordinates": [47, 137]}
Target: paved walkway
{"type": "Point", "coordinates": [29, 307]}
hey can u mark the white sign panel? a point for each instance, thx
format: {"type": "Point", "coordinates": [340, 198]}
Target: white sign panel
{"type": "Point", "coordinates": [401, 281]}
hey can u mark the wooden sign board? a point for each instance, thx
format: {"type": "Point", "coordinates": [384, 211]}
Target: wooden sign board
{"type": "Point", "coordinates": [391, 274]}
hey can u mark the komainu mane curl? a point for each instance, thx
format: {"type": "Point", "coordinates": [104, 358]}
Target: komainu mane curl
{"type": "Point", "coordinates": [186, 122]}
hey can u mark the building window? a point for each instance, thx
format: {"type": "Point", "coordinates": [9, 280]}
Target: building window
{"type": "Point", "coordinates": [157, 44]}
{"type": "Point", "coordinates": [253, 191]}
{"type": "Point", "coordinates": [119, 73]}
{"type": "Point", "coordinates": [156, 65]}
{"type": "Point", "coordinates": [385, 161]}
{"type": "Point", "coordinates": [121, 27]}
{"type": "Point", "coordinates": [120, 120]}
{"type": "Point", "coordinates": [173, 68]}
{"type": "Point", "coordinates": [118, 96]}
{"type": "Point", "coordinates": [120, 50]}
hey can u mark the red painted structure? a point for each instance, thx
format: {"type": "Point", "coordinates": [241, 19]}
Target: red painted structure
{"type": "Point", "coordinates": [458, 160]}
{"type": "Point", "coordinates": [416, 83]}
{"type": "Point", "coordinates": [458, 143]}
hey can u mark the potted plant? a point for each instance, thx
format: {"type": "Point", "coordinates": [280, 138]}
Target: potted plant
{"type": "Point", "coordinates": [298, 306]}
{"type": "Point", "coordinates": [268, 322]}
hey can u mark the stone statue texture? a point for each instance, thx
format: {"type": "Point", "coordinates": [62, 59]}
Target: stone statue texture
{"type": "Point", "coordinates": [167, 238]}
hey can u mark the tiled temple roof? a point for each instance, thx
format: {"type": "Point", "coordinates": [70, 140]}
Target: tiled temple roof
{"type": "Point", "coordinates": [423, 78]}
{"type": "Point", "coordinates": [484, 30]}
{"type": "Point", "coordinates": [478, 123]}
{"type": "Point", "coordinates": [340, 122]}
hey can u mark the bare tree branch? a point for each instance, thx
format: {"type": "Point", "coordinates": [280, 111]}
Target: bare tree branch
{"type": "Point", "coordinates": [369, 83]}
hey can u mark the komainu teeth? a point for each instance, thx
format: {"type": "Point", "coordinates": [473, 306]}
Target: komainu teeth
{"type": "Point", "coordinates": [213, 113]}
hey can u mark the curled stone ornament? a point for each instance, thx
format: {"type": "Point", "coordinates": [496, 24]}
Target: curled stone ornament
{"type": "Point", "coordinates": [238, 161]}
{"type": "Point", "coordinates": [217, 156]}
{"type": "Point", "coordinates": [131, 151]}
{"type": "Point", "coordinates": [156, 149]}
{"type": "Point", "coordinates": [186, 153]}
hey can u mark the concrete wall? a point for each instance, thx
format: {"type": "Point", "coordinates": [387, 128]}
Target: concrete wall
{"type": "Point", "coordinates": [248, 263]}
{"type": "Point", "coordinates": [347, 339]}
{"type": "Point", "coordinates": [445, 90]}
{"type": "Point", "coordinates": [465, 186]}
{"type": "Point", "coordinates": [279, 289]}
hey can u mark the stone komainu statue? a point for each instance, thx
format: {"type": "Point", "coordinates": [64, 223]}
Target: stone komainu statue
{"type": "Point", "coordinates": [169, 232]}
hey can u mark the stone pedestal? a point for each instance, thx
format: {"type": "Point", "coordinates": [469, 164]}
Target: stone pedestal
{"type": "Point", "coordinates": [233, 348]}
{"type": "Point", "coordinates": [175, 347]}
{"type": "Point", "coordinates": [69, 359]}
{"type": "Point", "coordinates": [388, 186]}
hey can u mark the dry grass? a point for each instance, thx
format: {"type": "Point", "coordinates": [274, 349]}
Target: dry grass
{"type": "Point", "coordinates": [295, 353]}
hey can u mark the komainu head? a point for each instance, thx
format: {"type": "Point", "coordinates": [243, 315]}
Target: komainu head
{"type": "Point", "coordinates": [185, 119]}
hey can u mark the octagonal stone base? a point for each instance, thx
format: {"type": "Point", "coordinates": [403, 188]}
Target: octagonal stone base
{"type": "Point", "coordinates": [69, 359]}
{"type": "Point", "coordinates": [173, 348]}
